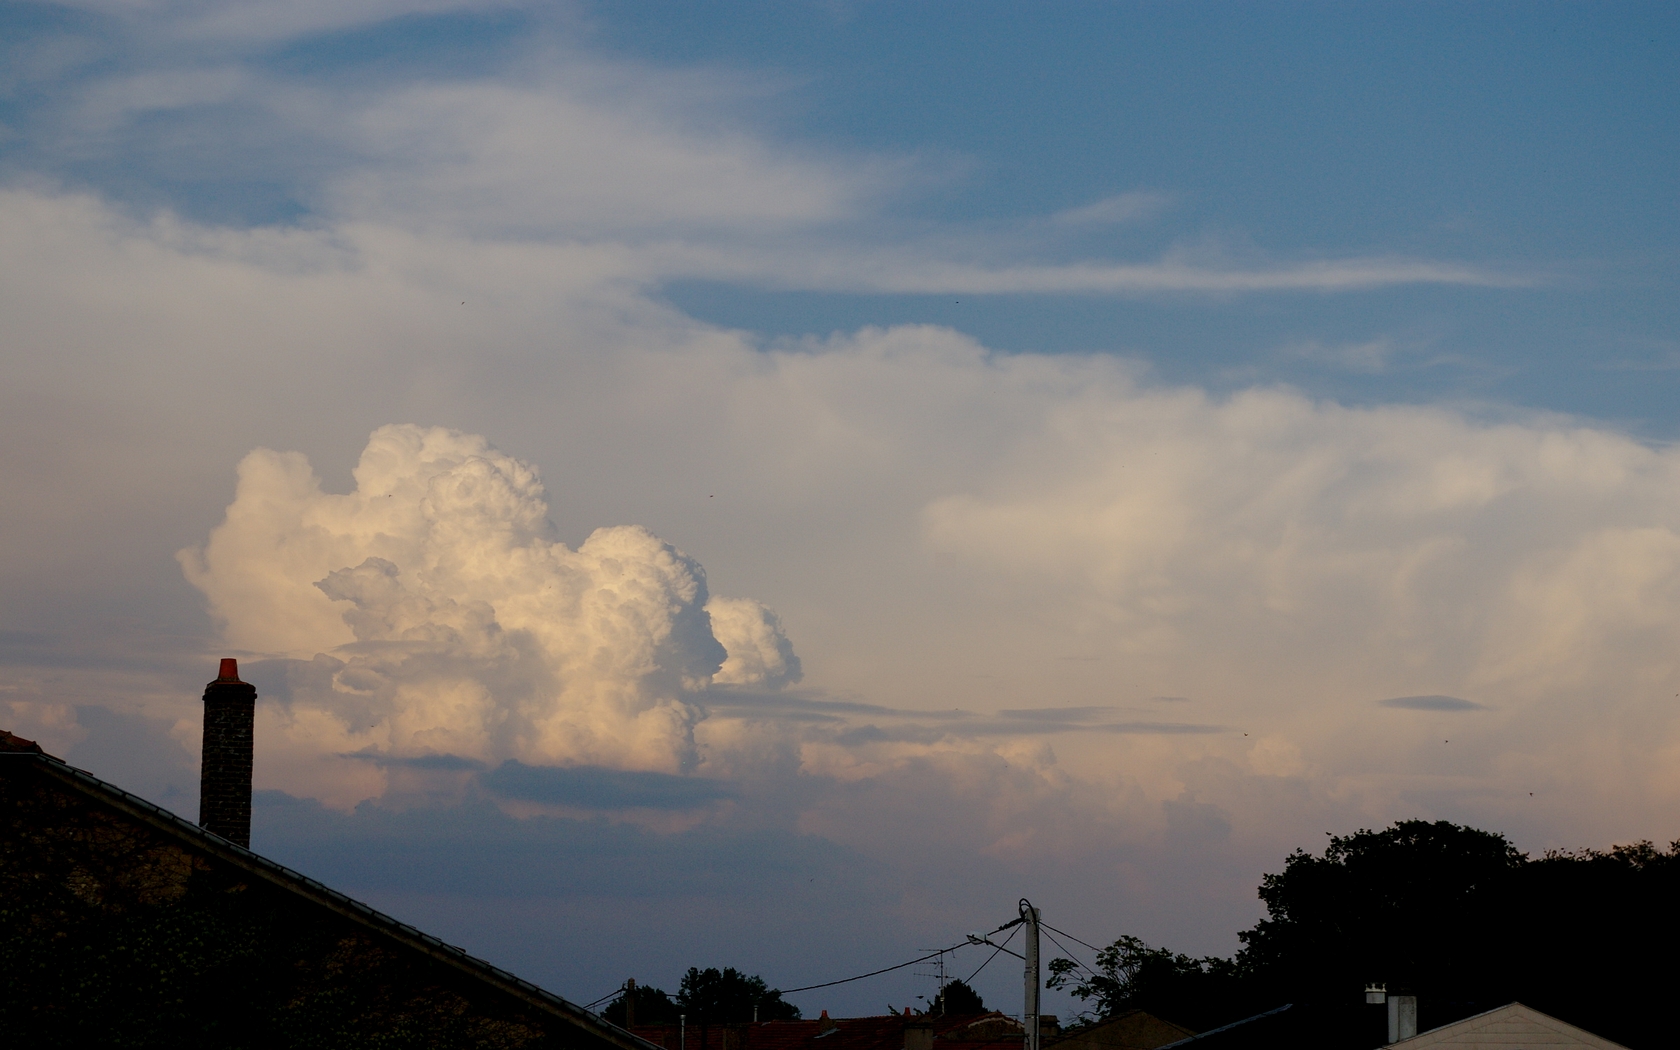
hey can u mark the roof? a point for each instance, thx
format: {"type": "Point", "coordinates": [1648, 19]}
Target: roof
{"type": "Point", "coordinates": [1509, 1027]}
{"type": "Point", "coordinates": [1267, 1025]}
{"type": "Point", "coordinates": [1130, 1030]}
{"type": "Point", "coordinates": [18, 756]}
{"type": "Point", "coordinates": [10, 742]}
{"type": "Point", "coordinates": [988, 1031]}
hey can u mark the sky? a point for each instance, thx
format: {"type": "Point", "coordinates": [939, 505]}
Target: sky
{"type": "Point", "coordinates": [772, 485]}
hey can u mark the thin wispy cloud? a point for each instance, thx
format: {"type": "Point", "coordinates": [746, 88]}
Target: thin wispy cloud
{"type": "Point", "coordinates": [1369, 357]}
{"type": "Point", "coordinates": [905, 270]}
{"type": "Point", "coordinates": [1431, 703]}
{"type": "Point", "coordinates": [1120, 208]}
{"type": "Point", "coordinates": [608, 156]}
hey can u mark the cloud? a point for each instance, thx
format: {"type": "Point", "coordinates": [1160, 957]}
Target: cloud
{"type": "Point", "coordinates": [1431, 703]}
{"type": "Point", "coordinates": [445, 763]}
{"type": "Point", "coordinates": [267, 21]}
{"type": "Point", "coordinates": [1170, 275]}
{"type": "Point", "coordinates": [651, 171]}
{"type": "Point", "coordinates": [431, 611]}
{"type": "Point", "coordinates": [1056, 714]}
{"type": "Point", "coordinates": [1371, 357]}
{"type": "Point", "coordinates": [941, 523]}
{"type": "Point", "coordinates": [1014, 729]}
{"type": "Point", "coordinates": [914, 269]}
{"type": "Point", "coordinates": [759, 651]}
{"type": "Point", "coordinates": [594, 787]}
{"type": "Point", "coordinates": [554, 158]}
{"type": "Point", "coordinates": [1123, 207]}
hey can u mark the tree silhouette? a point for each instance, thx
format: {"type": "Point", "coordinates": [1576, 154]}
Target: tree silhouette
{"type": "Point", "coordinates": [957, 999]}
{"type": "Point", "coordinates": [709, 996]}
{"type": "Point", "coordinates": [1454, 915]}
{"type": "Point", "coordinates": [728, 996]}
{"type": "Point", "coordinates": [653, 1006]}
{"type": "Point", "coordinates": [1131, 975]}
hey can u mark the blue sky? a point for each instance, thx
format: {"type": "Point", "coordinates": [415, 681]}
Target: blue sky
{"type": "Point", "coordinates": [1080, 427]}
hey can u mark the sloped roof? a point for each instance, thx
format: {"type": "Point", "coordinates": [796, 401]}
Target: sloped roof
{"type": "Point", "coordinates": [18, 755]}
{"type": "Point", "coordinates": [10, 742]}
{"type": "Point", "coordinates": [1510, 1027]}
{"type": "Point", "coordinates": [989, 1031]}
{"type": "Point", "coordinates": [1131, 1030]}
{"type": "Point", "coordinates": [1262, 1026]}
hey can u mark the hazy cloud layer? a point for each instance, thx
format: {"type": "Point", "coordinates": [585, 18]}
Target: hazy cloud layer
{"type": "Point", "coordinates": [950, 529]}
{"type": "Point", "coordinates": [946, 525]}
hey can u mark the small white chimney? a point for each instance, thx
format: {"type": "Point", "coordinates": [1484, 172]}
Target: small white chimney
{"type": "Point", "coordinates": [1402, 1017]}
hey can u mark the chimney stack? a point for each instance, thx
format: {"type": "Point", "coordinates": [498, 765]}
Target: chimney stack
{"type": "Point", "coordinates": [1402, 1017]}
{"type": "Point", "coordinates": [224, 785]}
{"type": "Point", "coordinates": [918, 1032]}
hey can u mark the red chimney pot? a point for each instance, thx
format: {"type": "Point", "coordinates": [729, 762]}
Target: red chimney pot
{"type": "Point", "coordinates": [230, 670]}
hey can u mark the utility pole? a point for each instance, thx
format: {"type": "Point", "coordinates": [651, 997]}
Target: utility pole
{"type": "Point", "coordinates": [1030, 1012]}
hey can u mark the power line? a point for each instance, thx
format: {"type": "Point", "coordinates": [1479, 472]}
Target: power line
{"type": "Point", "coordinates": [992, 956]}
{"type": "Point", "coordinates": [603, 998]}
{"type": "Point", "coordinates": [1070, 936]}
{"type": "Point", "coordinates": [1064, 948]}
{"type": "Point", "coordinates": [873, 973]}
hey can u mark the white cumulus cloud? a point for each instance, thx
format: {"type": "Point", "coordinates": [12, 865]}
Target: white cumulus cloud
{"type": "Point", "coordinates": [440, 615]}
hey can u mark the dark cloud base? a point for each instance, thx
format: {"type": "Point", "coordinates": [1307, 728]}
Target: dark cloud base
{"type": "Point", "coordinates": [948, 725]}
{"type": "Point", "coordinates": [473, 847]}
{"type": "Point", "coordinates": [599, 788]}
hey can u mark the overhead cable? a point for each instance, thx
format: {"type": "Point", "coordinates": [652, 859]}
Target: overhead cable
{"type": "Point", "coordinates": [1069, 954]}
{"type": "Point", "coordinates": [1000, 948]}
{"type": "Point", "coordinates": [873, 973]}
{"type": "Point", "coordinates": [604, 998]}
{"type": "Point", "coordinates": [1069, 936]}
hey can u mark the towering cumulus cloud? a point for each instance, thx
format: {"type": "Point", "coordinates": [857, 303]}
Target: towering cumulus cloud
{"type": "Point", "coordinates": [432, 612]}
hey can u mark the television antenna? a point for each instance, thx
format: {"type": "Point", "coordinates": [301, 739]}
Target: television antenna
{"type": "Point", "coordinates": [935, 970]}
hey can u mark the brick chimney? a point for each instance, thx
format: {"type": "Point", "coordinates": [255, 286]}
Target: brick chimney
{"type": "Point", "coordinates": [224, 784]}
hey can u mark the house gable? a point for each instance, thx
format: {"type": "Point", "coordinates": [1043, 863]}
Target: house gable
{"type": "Point", "coordinates": [1510, 1027]}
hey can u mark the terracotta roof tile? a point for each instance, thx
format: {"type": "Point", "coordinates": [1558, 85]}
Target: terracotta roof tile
{"type": "Point", "coordinates": [11, 742]}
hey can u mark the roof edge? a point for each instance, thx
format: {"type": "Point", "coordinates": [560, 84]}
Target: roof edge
{"type": "Point", "coordinates": [1540, 1016]}
{"type": "Point", "coordinates": [301, 885]}
{"type": "Point", "coordinates": [1224, 1027]}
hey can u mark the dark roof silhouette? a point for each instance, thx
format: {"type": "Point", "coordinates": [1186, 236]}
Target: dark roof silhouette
{"type": "Point", "coordinates": [988, 1031]}
{"type": "Point", "coordinates": [21, 757]}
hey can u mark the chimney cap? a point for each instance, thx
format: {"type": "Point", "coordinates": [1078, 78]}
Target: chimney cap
{"type": "Point", "coordinates": [229, 672]}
